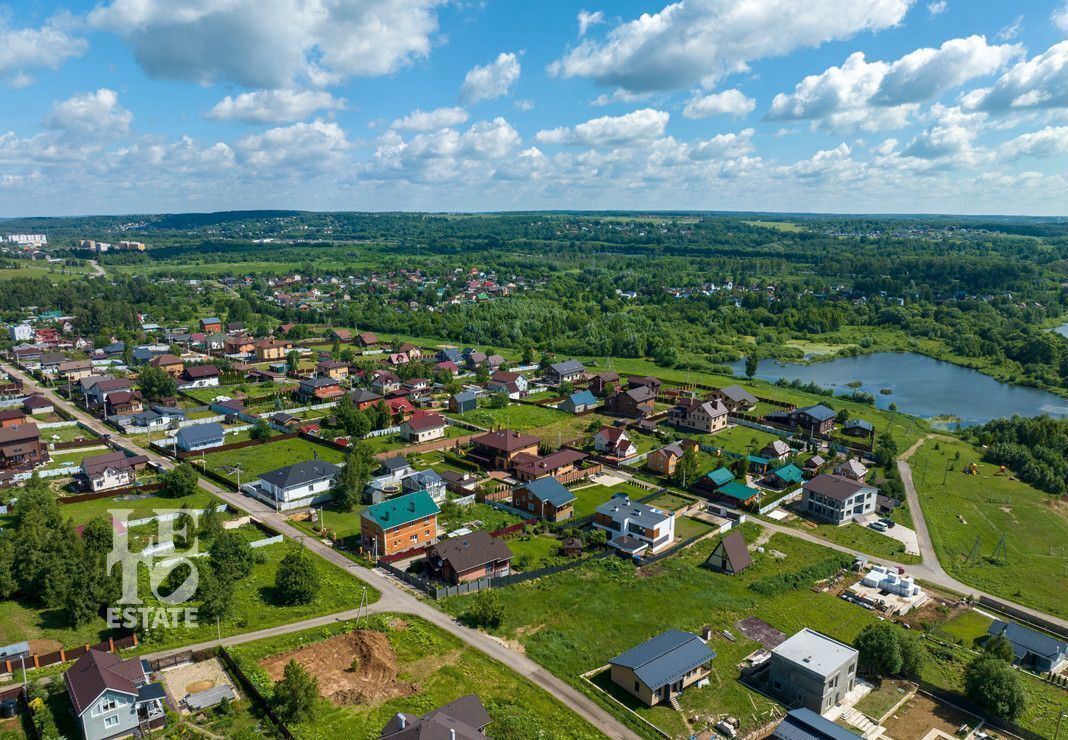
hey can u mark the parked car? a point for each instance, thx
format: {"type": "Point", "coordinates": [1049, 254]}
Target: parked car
{"type": "Point", "coordinates": [877, 526]}
{"type": "Point", "coordinates": [890, 523]}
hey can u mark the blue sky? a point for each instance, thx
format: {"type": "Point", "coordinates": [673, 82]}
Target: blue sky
{"type": "Point", "coordinates": [126, 106]}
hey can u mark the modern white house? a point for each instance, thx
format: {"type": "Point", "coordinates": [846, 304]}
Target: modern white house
{"type": "Point", "coordinates": [20, 332]}
{"type": "Point", "coordinates": [199, 376]}
{"type": "Point", "coordinates": [423, 427]}
{"type": "Point", "coordinates": [837, 500]}
{"type": "Point", "coordinates": [296, 486]}
{"type": "Point", "coordinates": [812, 670]}
{"type": "Point", "coordinates": [635, 528]}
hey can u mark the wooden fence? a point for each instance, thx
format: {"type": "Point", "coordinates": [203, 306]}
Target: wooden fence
{"type": "Point", "coordinates": [111, 645]}
{"type": "Point", "coordinates": [97, 495]}
{"type": "Point", "coordinates": [251, 691]}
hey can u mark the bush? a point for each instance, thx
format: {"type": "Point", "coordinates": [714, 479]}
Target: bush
{"type": "Point", "coordinates": [486, 610]}
{"type": "Point", "coordinates": [297, 579]}
{"type": "Point", "coordinates": [994, 685]}
{"type": "Point", "coordinates": [786, 582]}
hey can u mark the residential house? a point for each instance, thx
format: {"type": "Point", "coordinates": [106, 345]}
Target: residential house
{"type": "Point", "coordinates": [239, 346]}
{"type": "Point", "coordinates": [412, 352]}
{"type": "Point", "coordinates": [852, 469]}
{"type": "Point", "coordinates": [426, 480]}
{"type": "Point", "coordinates": [604, 383]}
{"type": "Point", "coordinates": [474, 358]}
{"type": "Point", "coordinates": [423, 427]}
{"type": "Point", "coordinates": [462, 719]}
{"type": "Point", "coordinates": [200, 437]}
{"type": "Point", "coordinates": [635, 528]}
{"type": "Point", "coordinates": [72, 371]}
{"type": "Point", "coordinates": [112, 697]}
{"type": "Point", "coordinates": [333, 369]}
{"type": "Point", "coordinates": [545, 498]}
{"type": "Point", "coordinates": [730, 555]}
{"type": "Point", "coordinates": [384, 382]}
{"type": "Point", "coordinates": [580, 402]}
{"type": "Point", "coordinates": [644, 381]}
{"type": "Point", "coordinates": [560, 463]}
{"type": "Point", "coordinates": [469, 557]}
{"type": "Point", "coordinates": [37, 404]}
{"type": "Point", "coordinates": [123, 403]}
{"type": "Point", "coordinates": [814, 463]}
{"type": "Point", "coordinates": [367, 339]}
{"type": "Point", "coordinates": [787, 475]}
{"type": "Point", "coordinates": [565, 372]}
{"type": "Point", "coordinates": [633, 403]}
{"type": "Point", "coordinates": [775, 450]}
{"type": "Point", "coordinates": [858, 428]}
{"type": "Point", "coordinates": [342, 336]}
{"type": "Point", "coordinates": [614, 442]}
{"type": "Point", "coordinates": [20, 332]}
{"type": "Point", "coordinates": [111, 470]}
{"type": "Point", "coordinates": [319, 390]}
{"type": "Point", "coordinates": [414, 385]}
{"type": "Point", "coordinates": [449, 354]}
{"type": "Point", "coordinates": [21, 446]}
{"type": "Point", "coordinates": [498, 449]}
{"type": "Point", "coordinates": [837, 500]}
{"type": "Point", "coordinates": [199, 376]}
{"type": "Point", "coordinates": [816, 419]}
{"type": "Point", "coordinates": [50, 362]}
{"type": "Point", "coordinates": [400, 524]}
{"type": "Point", "coordinates": [812, 670]}
{"type": "Point", "coordinates": [235, 327]}
{"type": "Point", "coordinates": [296, 486]}
{"type": "Point", "coordinates": [211, 324]}
{"type": "Point", "coordinates": [715, 479]}
{"type": "Point", "coordinates": [447, 366]}
{"type": "Point", "coordinates": [12, 417]}
{"type": "Point", "coordinates": [701, 416]}
{"type": "Point", "coordinates": [98, 390]}
{"type": "Point", "coordinates": [661, 668]}
{"type": "Point", "coordinates": [1032, 650]}
{"type": "Point", "coordinates": [364, 399]}
{"type": "Point", "coordinates": [462, 402]}
{"type": "Point", "coordinates": [735, 398]}
{"type": "Point", "coordinates": [514, 385]}
{"type": "Point", "coordinates": [272, 349]}
{"type": "Point", "coordinates": [804, 724]}
{"type": "Point", "coordinates": [399, 408]}
{"type": "Point", "coordinates": [736, 494]}
{"type": "Point", "coordinates": [664, 460]}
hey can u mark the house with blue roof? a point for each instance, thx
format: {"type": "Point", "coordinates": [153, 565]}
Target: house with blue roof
{"type": "Point", "coordinates": [1030, 649]}
{"type": "Point", "coordinates": [804, 724]}
{"type": "Point", "coordinates": [545, 498]}
{"type": "Point", "coordinates": [579, 402]}
{"type": "Point", "coordinates": [662, 667]}
{"type": "Point", "coordinates": [200, 437]}
{"type": "Point", "coordinates": [463, 402]}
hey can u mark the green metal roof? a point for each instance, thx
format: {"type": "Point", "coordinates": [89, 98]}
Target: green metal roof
{"type": "Point", "coordinates": [739, 491]}
{"type": "Point", "coordinates": [789, 473]}
{"type": "Point", "coordinates": [401, 510]}
{"type": "Point", "coordinates": [757, 459]}
{"type": "Point", "coordinates": [720, 476]}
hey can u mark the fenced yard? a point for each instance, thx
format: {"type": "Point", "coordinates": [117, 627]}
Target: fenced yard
{"type": "Point", "coordinates": [258, 459]}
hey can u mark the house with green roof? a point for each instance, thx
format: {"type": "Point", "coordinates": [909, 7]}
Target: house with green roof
{"type": "Point", "coordinates": [787, 475]}
{"type": "Point", "coordinates": [736, 494]}
{"type": "Point", "coordinates": [404, 523]}
{"type": "Point", "coordinates": [721, 476]}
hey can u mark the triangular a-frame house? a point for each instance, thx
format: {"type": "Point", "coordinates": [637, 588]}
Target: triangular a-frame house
{"type": "Point", "coordinates": [730, 555]}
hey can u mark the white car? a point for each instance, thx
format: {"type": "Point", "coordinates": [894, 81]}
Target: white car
{"type": "Point", "coordinates": [878, 526]}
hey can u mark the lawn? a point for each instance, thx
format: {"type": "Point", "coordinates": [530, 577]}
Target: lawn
{"type": "Point", "coordinates": [67, 433]}
{"type": "Point", "coordinates": [141, 506]}
{"type": "Point", "coordinates": [991, 506]}
{"type": "Point", "coordinates": [533, 551]}
{"type": "Point", "coordinates": [740, 440]}
{"type": "Point", "coordinates": [671, 501]}
{"type": "Point", "coordinates": [966, 627]}
{"type": "Point", "coordinates": [454, 516]}
{"type": "Point", "coordinates": [514, 416]}
{"type": "Point", "coordinates": [259, 459]}
{"type": "Point", "coordinates": [685, 528]}
{"type": "Point", "coordinates": [886, 694]}
{"type": "Point", "coordinates": [442, 669]}
{"type": "Point", "coordinates": [72, 459]}
{"type": "Point", "coordinates": [388, 442]}
{"type": "Point", "coordinates": [575, 622]}
{"type": "Point", "coordinates": [588, 498]}
{"type": "Point", "coordinates": [857, 537]}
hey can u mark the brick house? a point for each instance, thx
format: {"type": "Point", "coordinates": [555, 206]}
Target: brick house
{"type": "Point", "coordinates": [545, 498]}
{"type": "Point", "coordinates": [399, 524]}
{"type": "Point", "coordinates": [499, 449]}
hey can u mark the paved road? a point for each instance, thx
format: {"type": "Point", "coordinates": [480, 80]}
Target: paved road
{"type": "Point", "coordinates": [393, 597]}
{"type": "Point", "coordinates": [98, 271]}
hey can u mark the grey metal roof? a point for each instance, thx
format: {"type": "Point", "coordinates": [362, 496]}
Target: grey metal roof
{"type": "Point", "coordinates": [819, 412]}
{"type": "Point", "coordinates": [737, 394]}
{"type": "Point", "coordinates": [200, 433]}
{"type": "Point", "coordinates": [550, 490]}
{"type": "Point", "coordinates": [665, 658]}
{"type": "Point", "coordinates": [640, 514]}
{"type": "Point", "coordinates": [568, 367]}
{"type": "Point", "coordinates": [300, 474]}
{"type": "Point", "coordinates": [209, 697]}
{"type": "Point", "coordinates": [834, 486]}
{"type": "Point", "coordinates": [470, 551]}
{"type": "Point", "coordinates": [151, 691]}
{"type": "Point", "coordinates": [1026, 640]}
{"type": "Point", "coordinates": [804, 724]}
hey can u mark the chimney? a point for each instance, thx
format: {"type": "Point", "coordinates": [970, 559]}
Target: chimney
{"type": "Point", "coordinates": [402, 720]}
{"type": "Point", "coordinates": [452, 734]}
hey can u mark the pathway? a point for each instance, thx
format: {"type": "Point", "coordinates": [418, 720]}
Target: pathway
{"type": "Point", "coordinates": [393, 598]}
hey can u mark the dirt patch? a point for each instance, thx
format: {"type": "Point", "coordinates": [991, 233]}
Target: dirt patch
{"type": "Point", "coordinates": [921, 714]}
{"type": "Point", "coordinates": [40, 647]}
{"type": "Point", "coordinates": [373, 682]}
{"type": "Point", "coordinates": [197, 686]}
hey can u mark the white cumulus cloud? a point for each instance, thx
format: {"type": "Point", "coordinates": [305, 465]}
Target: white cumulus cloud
{"type": "Point", "coordinates": [485, 82]}
{"type": "Point", "coordinates": [302, 146]}
{"type": "Point", "coordinates": [641, 125]}
{"type": "Point", "coordinates": [728, 102]}
{"type": "Point", "coordinates": [587, 19]}
{"type": "Point", "coordinates": [47, 47]}
{"type": "Point", "coordinates": [431, 120]}
{"type": "Point", "coordinates": [1060, 17]}
{"type": "Point", "coordinates": [703, 40]}
{"type": "Point", "coordinates": [274, 106]}
{"type": "Point", "coordinates": [1036, 83]}
{"type": "Point", "coordinates": [270, 43]}
{"type": "Point", "coordinates": [91, 112]}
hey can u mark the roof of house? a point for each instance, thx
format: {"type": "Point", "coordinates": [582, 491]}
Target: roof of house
{"type": "Point", "coordinates": [612, 434]}
{"type": "Point", "coordinates": [362, 395]}
{"type": "Point", "coordinates": [300, 474]}
{"type": "Point", "coordinates": [853, 467]}
{"type": "Point", "coordinates": [211, 320]}
{"type": "Point", "coordinates": [465, 396]}
{"type": "Point", "coordinates": [401, 510]}
{"type": "Point", "coordinates": [96, 671]}
{"type": "Point", "coordinates": [867, 426]}
{"type": "Point", "coordinates": [568, 367]}
{"type": "Point", "coordinates": [738, 490]}
{"type": "Point", "coordinates": [833, 486]}
{"type": "Point", "coordinates": [804, 724]}
{"type": "Point", "coordinates": [815, 651]}
{"type": "Point", "coordinates": [665, 658]}
{"type": "Point", "coordinates": [462, 719]}
{"type": "Point", "coordinates": [642, 515]}
{"type": "Point", "coordinates": [720, 476]}
{"type": "Point", "coordinates": [736, 551]}
{"type": "Point", "coordinates": [546, 465]}
{"type": "Point", "coordinates": [423, 422]}
{"type": "Point", "coordinates": [470, 551]}
{"type": "Point", "coordinates": [8, 414]}
{"type": "Point", "coordinates": [111, 460]}
{"type": "Point", "coordinates": [123, 396]}
{"type": "Point", "coordinates": [738, 394]}
{"type": "Point", "coordinates": [789, 474]}
{"type": "Point", "coordinates": [36, 402]}
{"type": "Point", "coordinates": [165, 359]}
{"type": "Point", "coordinates": [19, 433]}
{"type": "Point", "coordinates": [392, 464]}
{"type": "Point", "coordinates": [200, 433]}
{"type": "Point", "coordinates": [201, 371]}
{"type": "Point", "coordinates": [777, 447]}
{"type": "Point", "coordinates": [639, 394]}
{"type": "Point", "coordinates": [550, 491]}
{"type": "Point", "coordinates": [506, 440]}
{"type": "Point", "coordinates": [1026, 640]}
{"type": "Point", "coordinates": [819, 412]}
{"type": "Point", "coordinates": [318, 382]}
{"type": "Point", "coordinates": [583, 398]}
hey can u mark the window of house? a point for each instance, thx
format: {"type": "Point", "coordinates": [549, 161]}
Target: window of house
{"type": "Point", "coordinates": [414, 538]}
{"type": "Point", "coordinates": [111, 721]}
{"type": "Point", "coordinates": [637, 687]}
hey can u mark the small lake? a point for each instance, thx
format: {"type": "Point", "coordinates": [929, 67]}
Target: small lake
{"type": "Point", "coordinates": [921, 386]}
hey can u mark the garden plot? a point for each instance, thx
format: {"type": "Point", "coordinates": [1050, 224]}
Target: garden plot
{"type": "Point", "coordinates": [192, 678]}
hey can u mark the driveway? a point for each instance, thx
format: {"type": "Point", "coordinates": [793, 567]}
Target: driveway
{"type": "Point", "coordinates": [902, 534]}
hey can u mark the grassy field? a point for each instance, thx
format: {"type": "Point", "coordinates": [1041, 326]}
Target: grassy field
{"type": "Point", "coordinates": [588, 498]}
{"type": "Point", "coordinates": [990, 506]}
{"type": "Point", "coordinates": [564, 629]}
{"type": "Point", "coordinates": [389, 442]}
{"type": "Point", "coordinates": [685, 528]}
{"type": "Point", "coordinates": [441, 667]}
{"type": "Point", "coordinates": [533, 551]}
{"type": "Point", "coordinates": [259, 459]}
{"type": "Point", "coordinates": [738, 439]}
{"type": "Point", "coordinates": [858, 538]}
{"type": "Point", "coordinates": [515, 416]}
{"type": "Point", "coordinates": [140, 507]}
{"type": "Point", "coordinates": [72, 459]}
{"type": "Point", "coordinates": [67, 434]}
{"type": "Point", "coordinates": [966, 627]}
{"type": "Point", "coordinates": [491, 519]}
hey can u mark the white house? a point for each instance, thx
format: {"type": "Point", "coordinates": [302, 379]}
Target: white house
{"type": "Point", "coordinates": [20, 332]}
{"type": "Point", "coordinates": [615, 442]}
{"type": "Point", "coordinates": [111, 470]}
{"type": "Point", "coordinates": [423, 428]}
{"type": "Point", "coordinates": [199, 376]}
{"type": "Point", "coordinates": [635, 528]}
{"type": "Point", "coordinates": [200, 437]}
{"type": "Point", "coordinates": [296, 486]}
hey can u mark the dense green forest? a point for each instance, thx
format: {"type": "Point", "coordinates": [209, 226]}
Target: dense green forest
{"type": "Point", "coordinates": [690, 290]}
